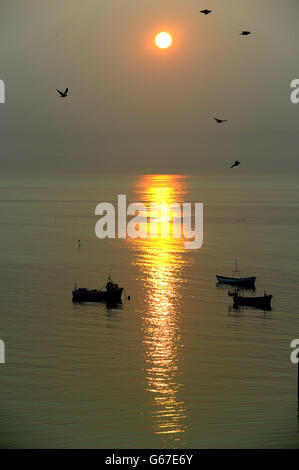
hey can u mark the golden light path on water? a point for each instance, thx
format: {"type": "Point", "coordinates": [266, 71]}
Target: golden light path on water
{"type": "Point", "coordinates": [160, 261]}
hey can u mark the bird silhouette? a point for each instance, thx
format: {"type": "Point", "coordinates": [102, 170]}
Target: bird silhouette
{"type": "Point", "coordinates": [63, 94]}
{"type": "Point", "coordinates": [206, 12]}
{"type": "Point", "coordinates": [235, 164]}
{"type": "Point", "coordinates": [220, 121]}
{"type": "Point", "coordinates": [245, 33]}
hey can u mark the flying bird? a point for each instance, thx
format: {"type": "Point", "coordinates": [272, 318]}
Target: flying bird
{"type": "Point", "coordinates": [245, 33]}
{"type": "Point", "coordinates": [220, 121]}
{"type": "Point", "coordinates": [63, 94]}
{"type": "Point", "coordinates": [206, 12]}
{"type": "Point", "coordinates": [235, 164]}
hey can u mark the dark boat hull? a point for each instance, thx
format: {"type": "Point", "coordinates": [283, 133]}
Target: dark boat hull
{"type": "Point", "coordinates": [85, 295]}
{"type": "Point", "coordinates": [256, 302]}
{"type": "Point", "coordinates": [236, 281]}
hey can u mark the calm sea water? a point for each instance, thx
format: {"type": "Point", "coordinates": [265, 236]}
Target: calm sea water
{"type": "Point", "coordinates": [173, 367]}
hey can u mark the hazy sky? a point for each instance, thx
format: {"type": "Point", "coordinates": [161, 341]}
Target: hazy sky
{"type": "Point", "coordinates": [132, 107]}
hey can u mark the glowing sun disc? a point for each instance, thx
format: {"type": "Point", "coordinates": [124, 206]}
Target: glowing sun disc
{"type": "Point", "coordinates": [163, 40]}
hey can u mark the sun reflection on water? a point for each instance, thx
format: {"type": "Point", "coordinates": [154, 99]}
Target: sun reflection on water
{"type": "Point", "coordinates": [160, 261]}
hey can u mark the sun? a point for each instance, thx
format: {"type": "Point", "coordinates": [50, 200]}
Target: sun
{"type": "Point", "coordinates": [163, 40]}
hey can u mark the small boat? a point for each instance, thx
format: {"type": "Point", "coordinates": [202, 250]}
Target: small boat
{"type": "Point", "coordinates": [263, 303]}
{"type": "Point", "coordinates": [112, 294]}
{"type": "Point", "coordinates": [237, 281]}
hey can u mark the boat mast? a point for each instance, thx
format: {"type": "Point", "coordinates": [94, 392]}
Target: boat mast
{"type": "Point", "coordinates": [236, 268]}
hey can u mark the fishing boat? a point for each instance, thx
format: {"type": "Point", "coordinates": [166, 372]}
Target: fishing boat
{"type": "Point", "coordinates": [257, 302]}
{"type": "Point", "coordinates": [112, 294]}
{"type": "Point", "coordinates": [236, 279]}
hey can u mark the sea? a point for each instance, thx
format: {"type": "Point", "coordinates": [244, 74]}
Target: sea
{"type": "Point", "coordinates": [174, 365]}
